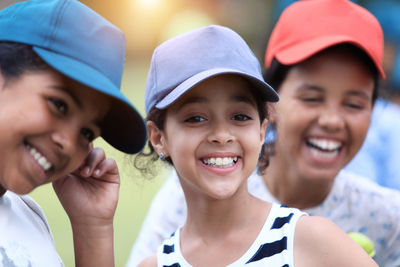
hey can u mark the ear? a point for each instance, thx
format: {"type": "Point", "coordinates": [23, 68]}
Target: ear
{"type": "Point", "coordinates": [264, 125]}
{"type": "Point", "coordinates": [156, 138]}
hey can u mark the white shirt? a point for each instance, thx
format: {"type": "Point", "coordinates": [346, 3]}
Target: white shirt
{"type": "Point", "coordinates": [25, 237]}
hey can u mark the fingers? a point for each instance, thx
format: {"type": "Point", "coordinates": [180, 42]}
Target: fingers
{"type": "Point", "coordinates": [96, 164]}
{"type": "Point", "coordinates": [107, 166]}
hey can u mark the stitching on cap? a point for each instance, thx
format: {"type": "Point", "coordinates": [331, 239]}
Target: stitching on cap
{"type": "Point", "coordinates": [57, 18]}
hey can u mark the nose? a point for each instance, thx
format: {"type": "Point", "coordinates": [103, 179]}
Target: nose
{"type": "Point", "coordinates": [221, 133]}
{"type": "Point", "coordinates": [66, 139]}
{"type": "Point", "coordinates": [331, 118]}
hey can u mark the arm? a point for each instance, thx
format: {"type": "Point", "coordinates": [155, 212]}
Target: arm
{"type": "Point", "coordinates": [90, 199]}
{"type": "Point", "coordinates": [319, 242]}
{"type": "Point", "coordinates": [167, 212]}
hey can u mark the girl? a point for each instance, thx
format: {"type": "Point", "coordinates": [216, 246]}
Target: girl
{"type": "Point", "coordinates": [326, 62]}
{"type": "Point", "coordinates": [206, 115]}
{"type": "Point", "coordinates": [59, 90]}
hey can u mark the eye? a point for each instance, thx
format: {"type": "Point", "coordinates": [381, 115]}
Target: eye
{"type": "Point", "coordinates": [195, 119]}
{"type": "Point", "coordinates": [241, 117]}
{"type": "Point", "coordinates": [354, 106]}
{"type": "Point", "coordinates": [311, 99]}
{"type": "Point", "coordinates": [88, 134]}
{"type": "Point", "coordinates": [60, 105]}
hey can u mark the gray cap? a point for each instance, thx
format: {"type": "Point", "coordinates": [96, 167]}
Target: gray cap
{"type": "Point", "coordinates": [184, 61]}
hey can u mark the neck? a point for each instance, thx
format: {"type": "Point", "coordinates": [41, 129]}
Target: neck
{"type": "Point", "coordinates": [213, 218]}
{"type": "Point", "coordinates": [222, 229]}
{"type": "Point", "coordinates": [292, 189]}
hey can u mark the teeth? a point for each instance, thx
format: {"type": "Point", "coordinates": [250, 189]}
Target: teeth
{"type": "Point", "coordinates": [220, 162]}
{"type": "Point", "coordinates": [324, 154]}
{"type": "Point", "coordinates": [325, 144]}
{"type": "Point", "coordinates": [43, 162]}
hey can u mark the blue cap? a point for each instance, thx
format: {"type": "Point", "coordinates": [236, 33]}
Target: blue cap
{"type": "Point", "coordinates": [82, 45]}
{"type": "Point", "coordinates": [184, 61]}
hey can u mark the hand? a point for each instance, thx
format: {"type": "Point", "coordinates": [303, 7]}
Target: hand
{"type": "Point", "coordinates": [90, 194]}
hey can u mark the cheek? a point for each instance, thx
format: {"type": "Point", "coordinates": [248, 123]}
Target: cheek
{"type": "Point", "coordinates": [359, 129]}
{"type": "Point", "coordinates": [251, 140]}
{"type": "Point", "coordinates": [77, 161]}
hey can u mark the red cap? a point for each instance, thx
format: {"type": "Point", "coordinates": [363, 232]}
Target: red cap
{"type": "Point", "coordinates": [309, 26]}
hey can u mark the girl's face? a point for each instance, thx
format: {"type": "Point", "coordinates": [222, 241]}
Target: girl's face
{"type": "Point", "coordinates": [323, 114]}
{"type": "Point", "coordinates": [213, 135]}
{"type": "Point", "coordinates": [47, 123]}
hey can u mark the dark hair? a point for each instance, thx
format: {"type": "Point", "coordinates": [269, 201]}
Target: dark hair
{"type": "Point", "coordinates": [144, 161]}
{"type": "Point", "coordinates": [276, 74]}
{"type": "Point", "coordinates": [17, 58]}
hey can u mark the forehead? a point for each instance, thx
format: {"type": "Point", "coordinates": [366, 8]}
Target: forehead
{"type": "Point", "coordinates": [231, 87]}
{"type": "Point", "coordinates": [339, 65]}
{"type": "Point", "coordinates": [344, 54]}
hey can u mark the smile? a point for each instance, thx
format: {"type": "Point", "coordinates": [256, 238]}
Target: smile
{"type": "Point", "coordinates": [324, 148]}
{"type": "Point", "coordinates": [224, 162]}
{"type": "Point", "coordinates": [40, 159]}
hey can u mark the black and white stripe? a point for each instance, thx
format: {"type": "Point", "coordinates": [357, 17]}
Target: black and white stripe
{"type": "Point", "coordinates": [272, 247]}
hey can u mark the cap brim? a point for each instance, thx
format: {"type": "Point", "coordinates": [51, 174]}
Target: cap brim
{"type": "Point", "coordinates": [301, 51]}
{"type": "Point", "coordinates": [123, 127]}
{"type": "Point", "coordinates": [266, 91]}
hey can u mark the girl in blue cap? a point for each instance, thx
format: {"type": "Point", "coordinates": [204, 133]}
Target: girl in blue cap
{"type": "Point", "coordinates": [59, 90]}
{"type": "Point", "coordinates": [206, 115]}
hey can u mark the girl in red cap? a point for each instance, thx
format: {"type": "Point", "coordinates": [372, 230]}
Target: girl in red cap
{"type": "Point", "coordinates": [324, 58]}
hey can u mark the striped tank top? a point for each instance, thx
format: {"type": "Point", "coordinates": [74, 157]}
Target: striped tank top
{"type": "Point", "coordinates": [273, 246]}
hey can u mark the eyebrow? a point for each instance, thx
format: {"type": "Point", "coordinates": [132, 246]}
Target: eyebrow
{"type": "Point", "coordinates": [242, 98]}
{"type": "Point", "coordinates": [360, 94]}
{"type": "Point", "coordinates": [352, 92]}
{"type": "Point", "coordinates": [71, 95]}
{"type": "Point", "coordinates": [310, 87]}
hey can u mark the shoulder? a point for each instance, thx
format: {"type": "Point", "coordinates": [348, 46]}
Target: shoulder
{"type": "Point", "coordinates": [149, 262]}
{"type": "Point", "coordinates": [28, 205]}
{"type": "Point", "coordinates": [362, 191]}
{"type": "Point", "coordinates": [33, 206]}
{"type": "Point", "coordinates": [319, 242]}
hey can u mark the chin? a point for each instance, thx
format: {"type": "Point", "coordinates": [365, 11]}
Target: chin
{"type": "Point", "coordinates": [223, 193]}
{"type": "Point", "coordinates": [321, 175]}
{"type": "Point", "coordinates": [21, 189]}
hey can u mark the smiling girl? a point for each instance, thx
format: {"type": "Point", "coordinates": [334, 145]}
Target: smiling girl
{"type": "Point", "coordinates": [325, 59]}
{"type": "Point", "coordinates": [59, 90]}
{"type": "Point", "coordinates": [205, 100]}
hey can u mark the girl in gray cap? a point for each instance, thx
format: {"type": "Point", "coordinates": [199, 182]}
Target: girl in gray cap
{"type": "Point", "coordinates": [325, 58]}
{"type": "Point", "coordinates": [206, 115]}
{"type": "Point", "coordinates": [59, 90]}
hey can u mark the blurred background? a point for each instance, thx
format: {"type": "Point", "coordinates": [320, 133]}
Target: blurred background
{"type": "Point", "coordinates": [146, 24]}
